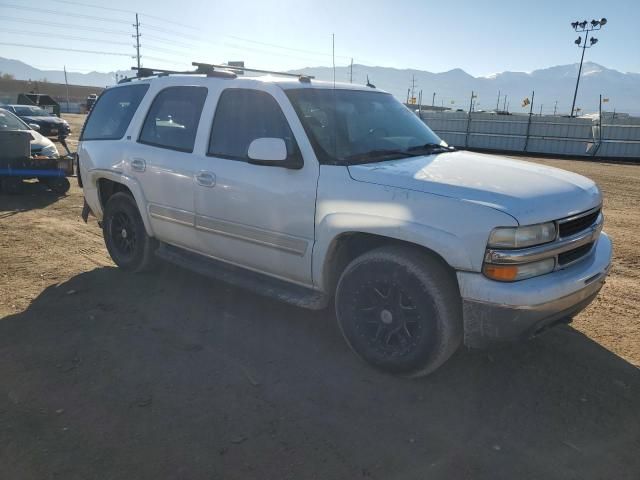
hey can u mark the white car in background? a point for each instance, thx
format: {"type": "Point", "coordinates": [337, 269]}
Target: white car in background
{"type": "Point", "coordinates": [40, 145]}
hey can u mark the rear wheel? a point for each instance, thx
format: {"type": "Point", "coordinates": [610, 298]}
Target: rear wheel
{"type": "Point", "coordinates": [58, 185]}
{"type": "Point", "coordinates": [399, 309]}
{"type": "Point", "coordinates": [125, 236]}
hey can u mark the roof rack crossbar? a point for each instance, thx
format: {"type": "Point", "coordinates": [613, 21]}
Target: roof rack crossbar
{"type": "Point", "coordinates": [144, 72]}
{"type": "Point", "coordinates": [300, 76]}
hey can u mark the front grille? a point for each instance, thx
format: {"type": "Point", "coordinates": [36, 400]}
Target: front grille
{"type": "Point", "coordinates": [575, 254]}
{"type": "Point", "coordinates": [577, 225]}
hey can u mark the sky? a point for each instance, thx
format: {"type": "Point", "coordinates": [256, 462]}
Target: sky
{"type": "Point", "coordinates": [481, 37]}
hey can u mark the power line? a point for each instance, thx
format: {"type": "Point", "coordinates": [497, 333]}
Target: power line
{"type": "Point", "coordinates": [196, 29]}
{"type": "Point", "coordinates": [64, 25]}
{"type": "Point", "coordinates": [170, 42]}
{"type": "Point", "coordinates": [166, 50]}
{"type": "Point", "coordinates": [68, 37]}
{"type": "Point", "coordinates": [283, 47]}
{"type": "Point", "coordinates": [65, 49]}
{"type": "Point", "coordinates": [173, 22]}
{"type": "Point", "coordinates": [173, 32]}
{"type": "Point", "coordinates": [55, 12]}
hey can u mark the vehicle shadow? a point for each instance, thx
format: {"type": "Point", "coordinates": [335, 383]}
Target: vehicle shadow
{"type": "Point", "coordinates": [172, 375]}
{"type": "Point", "coordinates": [34, 195]}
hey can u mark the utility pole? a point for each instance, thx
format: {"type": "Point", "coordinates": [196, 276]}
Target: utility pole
{"type": "Point", "coordinates": [580, 27]}
{"type": "Point", "coordinates": [137, 37]}
{"type": "Point", "coordinates": [473, 95]}
{"type": "Point", "coordinates": [413, 87]}
{"type": "Point", "coordinates": [67, 85]}
{"type": "Point", "coordinates": [351, 72]}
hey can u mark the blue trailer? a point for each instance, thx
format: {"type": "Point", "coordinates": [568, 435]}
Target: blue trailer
{"type": "Point", "coordinates": [17, 164]}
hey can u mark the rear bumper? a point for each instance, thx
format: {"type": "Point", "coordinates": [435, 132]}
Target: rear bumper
{"type": "Point", "coordinates": [496, 312]}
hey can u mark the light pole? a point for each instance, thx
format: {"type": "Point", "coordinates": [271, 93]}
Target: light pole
{"type": "Point", "coordinates": [585, 27]}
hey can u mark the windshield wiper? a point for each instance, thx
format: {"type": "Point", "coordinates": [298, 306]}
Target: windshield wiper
{"type": "Point", "coordinates": [375, 155]}
{"type": "Point", "coordinates": [430, 147]}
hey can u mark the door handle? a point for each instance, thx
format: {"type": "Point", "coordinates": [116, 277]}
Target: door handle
{"type": "Point", "coordinates": [205, 179]}
{"type": "Point", "coordinates": [138, 164]}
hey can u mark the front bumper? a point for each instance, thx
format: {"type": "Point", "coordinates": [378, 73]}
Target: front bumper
{"type": "Point", "coordinates": [495, 312]}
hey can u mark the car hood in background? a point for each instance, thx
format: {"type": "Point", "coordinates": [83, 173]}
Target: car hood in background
{"type": "Point", "coordinates": [49, 120]}
{"type": "Point", "coordinates": [530, 192]}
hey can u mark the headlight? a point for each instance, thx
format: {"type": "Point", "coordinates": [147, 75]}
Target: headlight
{"type": "Point", "coordinates": [49, 151]}
{"type": "Point", "coordinates": [521, 237]}
{"type": "Point", "coordinates": [512, 273]}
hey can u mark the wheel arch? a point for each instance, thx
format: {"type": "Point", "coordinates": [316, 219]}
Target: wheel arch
{"type": "Point", "coordinates": [331, 257]}
{"type": "Point", "coordinates": [107, 184]}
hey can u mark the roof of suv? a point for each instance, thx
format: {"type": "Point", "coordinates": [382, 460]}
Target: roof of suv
{"type": "Point", "coordinates": [286, 83]}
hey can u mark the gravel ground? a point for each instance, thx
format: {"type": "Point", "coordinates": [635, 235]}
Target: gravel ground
{"type": "Point", "coordinates": [107, 375]}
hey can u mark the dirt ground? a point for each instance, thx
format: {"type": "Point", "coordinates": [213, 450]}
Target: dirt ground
{"type": "Point", "coordinates": [106, 375]}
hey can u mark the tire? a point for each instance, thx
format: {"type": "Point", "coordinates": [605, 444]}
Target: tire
{"type": "Point", "coordinates": [399, 309]}
{"type": "Point", "coordinates": [125, 236]}
{"type": "Point", "coordinates": [11, 185]}
{"type": "Point", "coordinates": [58, 185]}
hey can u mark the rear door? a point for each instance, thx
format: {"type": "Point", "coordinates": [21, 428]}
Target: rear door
{"type": "Point", "coordinates": [257, 216]}
{"type": "Point", "coordinates": [162, 160]}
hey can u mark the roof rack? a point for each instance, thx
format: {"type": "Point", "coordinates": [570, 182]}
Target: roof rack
{"type": "Point", "coordinates": [144, 72]}
{"type": "Point", "coordinates": [299, 76]}
{"type": "Point", "coordinates": [224, 71]}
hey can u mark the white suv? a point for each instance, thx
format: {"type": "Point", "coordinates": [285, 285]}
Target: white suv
{"type": "Point", "coordinates": [316, 193]}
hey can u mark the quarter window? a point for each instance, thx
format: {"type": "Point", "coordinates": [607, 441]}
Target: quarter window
{"type": "Point", "coordinates": [172, 121]}
{"type": "Point", "coordinates": [112, 113]}
{"type": "Point", "coordinates": [244, 115]}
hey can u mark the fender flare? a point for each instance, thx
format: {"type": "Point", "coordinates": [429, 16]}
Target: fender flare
{"type": "Point", "coordinates": [133, 186]}
{"type": "Point", "coordinates": [443, 243]}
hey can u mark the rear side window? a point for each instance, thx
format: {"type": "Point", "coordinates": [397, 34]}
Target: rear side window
{"type": "Point", "coordinates": [241, 117]}
{"type": "Point", "coordinates": [172, 121]}
{"type": "Point", "coordinates": [113, 112]}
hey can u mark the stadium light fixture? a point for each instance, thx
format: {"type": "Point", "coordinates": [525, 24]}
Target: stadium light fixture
{"type": "Point", "coordinates": [585, 27]}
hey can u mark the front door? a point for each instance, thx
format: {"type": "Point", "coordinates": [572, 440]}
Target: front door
{"type": "Point", "coordinates": [257, 216]}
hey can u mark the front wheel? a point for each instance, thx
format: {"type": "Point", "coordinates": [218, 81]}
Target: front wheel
{"type": "Point", "coordinates": [399, 309]}
{"type": "Point", "coordinates": [125, 236]}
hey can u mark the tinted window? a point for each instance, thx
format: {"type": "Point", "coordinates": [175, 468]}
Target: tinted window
{"type": "Point", "coordinates": [112, 112]}
{"type": "Point", "coordinates": [172, 121]}
{"type": "Point", "coordinates": [241, 117]}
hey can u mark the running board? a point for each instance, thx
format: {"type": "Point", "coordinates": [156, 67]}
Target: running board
{"type": "Point", "coordinates": [243, 278]}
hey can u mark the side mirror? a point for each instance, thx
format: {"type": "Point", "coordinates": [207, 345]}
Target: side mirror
{"type": "Point", "coordinates": [34, 126]}
{"type": "Point", "coordinates": [267, 151]}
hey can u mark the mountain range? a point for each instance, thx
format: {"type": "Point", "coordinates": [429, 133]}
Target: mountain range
{"type": "Point", "coordinates": [452, 88]}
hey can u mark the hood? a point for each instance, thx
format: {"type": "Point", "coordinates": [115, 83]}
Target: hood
{"type": "Point", "coordinates": [529, 192]}
{"type": "Point", "coordinates": [52, 120]}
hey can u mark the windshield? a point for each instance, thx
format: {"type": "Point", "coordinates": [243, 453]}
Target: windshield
{"type": "Point", "coordinates": [31, 111]}
{"type": "Point", "coordinates": [355, 126]}
{"type": "Point", "coordinates": [8, 121]}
